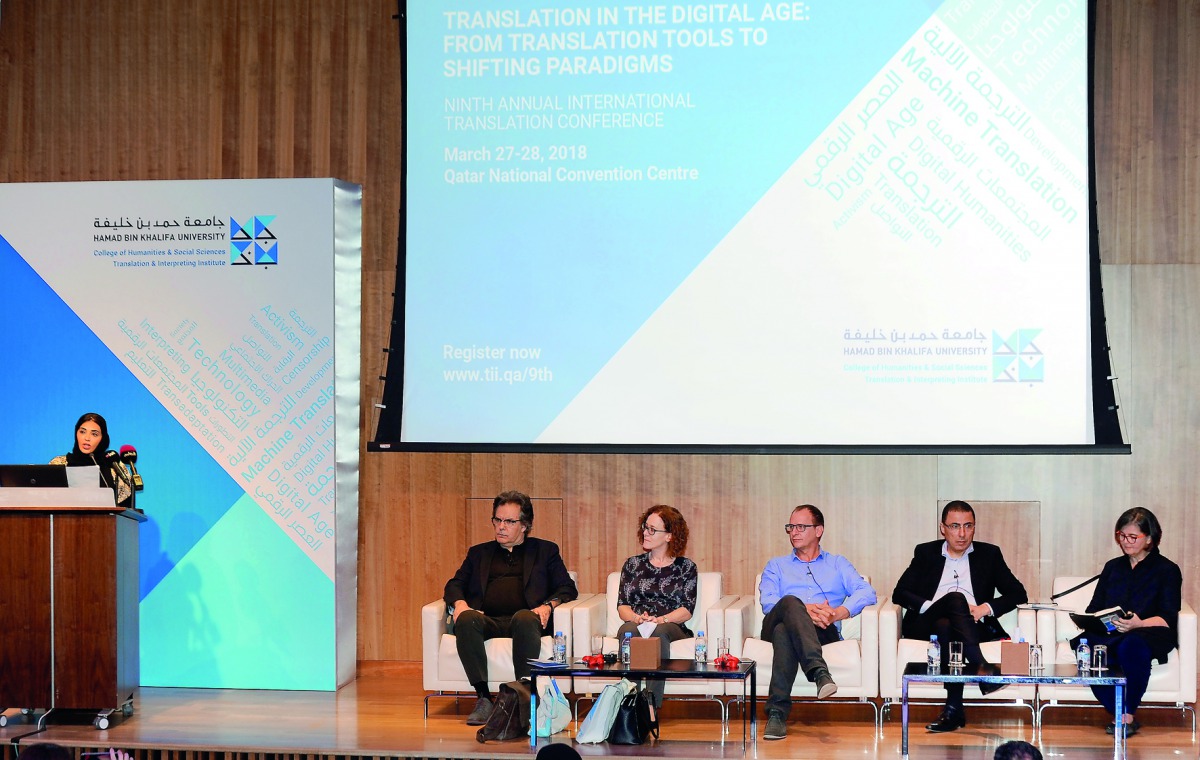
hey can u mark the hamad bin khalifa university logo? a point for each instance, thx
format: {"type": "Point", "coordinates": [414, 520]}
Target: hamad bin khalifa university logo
{"type": "Point", "coordinates": [252, 242]}
{"type": "Point", "coordinates": [1016, 358]}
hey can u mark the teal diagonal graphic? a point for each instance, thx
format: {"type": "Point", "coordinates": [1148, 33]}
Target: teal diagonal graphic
{"type": "Point", "coordinates": [244, 609]}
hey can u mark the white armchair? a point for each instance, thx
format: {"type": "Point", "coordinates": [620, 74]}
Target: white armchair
{"type": "Point", "coordinates": [1172, 685]}
{"type": "Point", "coordinates": [895, 653]}
{"type": "Point", "coordinates": [853, 662]}
{"type": "Point", "coordinates": [442, 670]}
{"type": "Point", "coordinates": [599, 615]}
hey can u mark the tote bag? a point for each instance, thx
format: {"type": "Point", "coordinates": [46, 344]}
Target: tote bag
{"type": "Point", "coordinates": [599, 720]}
{"type": "Point", "coordinates": [553, 711]}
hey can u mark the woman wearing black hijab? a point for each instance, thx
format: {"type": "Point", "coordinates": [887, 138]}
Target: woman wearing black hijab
{"type": "Point", "coordinates": [91, 449]}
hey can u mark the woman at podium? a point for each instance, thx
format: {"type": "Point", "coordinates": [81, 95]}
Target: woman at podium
{"type": "Point", "coordinates": [91, 449]}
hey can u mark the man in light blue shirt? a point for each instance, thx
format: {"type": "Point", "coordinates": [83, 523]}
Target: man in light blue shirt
{"type": "Point", "coordinates": [805, 596]}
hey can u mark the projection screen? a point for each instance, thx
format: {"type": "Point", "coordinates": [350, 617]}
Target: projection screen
{"type": "Point", "coordinates": [762, 224]}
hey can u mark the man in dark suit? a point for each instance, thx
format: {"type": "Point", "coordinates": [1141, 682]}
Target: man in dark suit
{"type": "Point", "coordinates": [955, 589]}
{"type": "Point", "coordinates": [507, 587]}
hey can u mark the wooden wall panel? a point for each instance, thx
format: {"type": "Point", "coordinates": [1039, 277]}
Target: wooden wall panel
{"type": "Point", "coordinates": [411, 526]}
{"type": "Point", "coordinates": [1147, 104]}
{"type": "Point", "coordinates": [1166, 431]}
{"type": "Point", "coordinates": [171, 89]}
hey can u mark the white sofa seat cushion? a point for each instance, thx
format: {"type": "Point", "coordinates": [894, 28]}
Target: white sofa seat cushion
{"type": "Point", "coordinates": [844, 659]}
{"type": "Point", "coordinates": [499, 659]}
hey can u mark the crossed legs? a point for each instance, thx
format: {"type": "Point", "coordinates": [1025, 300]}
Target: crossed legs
{"type": "Point", "coordinates": [797, 643]}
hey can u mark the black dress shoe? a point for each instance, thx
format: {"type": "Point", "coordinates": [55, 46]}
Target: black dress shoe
{"type": "Point", "coordinates": [951, 719]}
{"type": "Point", "coordinates": [990, 688]}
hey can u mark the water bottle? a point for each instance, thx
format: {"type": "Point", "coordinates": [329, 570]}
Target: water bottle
{"type": "Point", "coordinates": [1083, 657]}
{"type": "Point", "coordinates": [933, 656]}
{"type": "Point", "coordinates": [625, 645]}
{"type": "Point", "coordinates": [701, 647]}
{"type": "Point", "coordinates": [560, 648]}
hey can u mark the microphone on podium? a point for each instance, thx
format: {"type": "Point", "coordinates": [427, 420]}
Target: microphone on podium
{"type": "Point", "coordinates": [129, 457]}
{"type": "Point", "coordinates": [112, 462]}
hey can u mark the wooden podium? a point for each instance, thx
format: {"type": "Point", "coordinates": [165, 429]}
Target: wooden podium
{"type": "Point", "coordinates": [69, 596]}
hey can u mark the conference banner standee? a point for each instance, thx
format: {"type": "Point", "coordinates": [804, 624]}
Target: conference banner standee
{"type": "Point", "coordinates": [215, 325]}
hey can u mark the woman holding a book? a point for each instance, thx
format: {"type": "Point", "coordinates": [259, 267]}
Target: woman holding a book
{"type": "Point", "coordinates": [1148, 587]}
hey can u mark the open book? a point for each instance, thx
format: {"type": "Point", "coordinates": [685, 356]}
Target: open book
{"type": "Point", "coordinates": [1098, 623]}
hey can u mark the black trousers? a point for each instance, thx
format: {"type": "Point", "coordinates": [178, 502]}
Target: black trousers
{"type": "Point", "coordinates": [473, 628]}
{"type": "Point", "coordinates": [1130, 652]}
{"type": "Point", "coordinates": [950, 619]}
{"type": "Point", "coordinates": [797, 642]}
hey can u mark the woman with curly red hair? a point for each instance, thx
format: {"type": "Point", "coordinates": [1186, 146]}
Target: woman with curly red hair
{"type": "Point", "coordinates": [659, 585]}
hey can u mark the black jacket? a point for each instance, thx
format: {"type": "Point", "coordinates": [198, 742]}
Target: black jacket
{"type": "Point", "coordinates": [545, 575]}
{"type": "Point", "coordinates": [991, 581]}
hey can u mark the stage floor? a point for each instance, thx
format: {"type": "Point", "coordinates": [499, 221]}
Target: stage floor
{"type": "Point", "coordinates": [380, 715]}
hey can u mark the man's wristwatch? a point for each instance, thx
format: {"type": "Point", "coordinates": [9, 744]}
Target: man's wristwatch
{"type": "Point", "coordinates": [552, 602]}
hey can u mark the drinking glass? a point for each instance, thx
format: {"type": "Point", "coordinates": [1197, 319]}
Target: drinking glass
{"type": "Point", "coordinates": [597, 643]}
{"type": "Point", "coordinates": [1035, 659]}
{"type": "Point", "coordinates": [956, 654]}
{"type": "Point", "coordinates": [1100, 657]}
{"type": "Point", "coordinates": [723, 646]}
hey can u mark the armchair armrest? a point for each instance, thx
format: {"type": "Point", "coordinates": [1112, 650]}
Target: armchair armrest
{"type": "Point", "coordinates": [1187, 652]}
{"type": "Point", "coordinates": [562, 620]}
{"type": "Point", "coordinates": [889, 644]}
{"type": "Point", "coordinates": [739, 616]}
{"type": "Point", "coordinates": [868, 642]}
{"type": "Point", "coordinates": [433, 625]}
{"type": "Point", "coordinates": [714, 626]}
{"type": "Point", "coordinates": [1027, 621]}
{"type": "Point", "coordinates": [588, 616]}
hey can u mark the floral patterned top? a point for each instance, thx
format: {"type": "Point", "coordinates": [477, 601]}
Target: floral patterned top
{"type": "Point", "coordinates": [658, 590]}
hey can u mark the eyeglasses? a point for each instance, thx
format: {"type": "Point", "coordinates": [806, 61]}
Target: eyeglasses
{"type": "Point", "coordinates": [653, 531]}
{"type": "Point", "coordinates": [791, 527]}
{"type": "Point", "coordinates": [959, 526]}
{"type": "Point", "coordinates": [1129, 538]}
{"type": "Point", "coordinates": [498, 521]}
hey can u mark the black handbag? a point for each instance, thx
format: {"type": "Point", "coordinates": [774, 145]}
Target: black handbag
{"type": "Point", "coordinates": [633, 723]}
{"type": "Point", "coordinates": [510, 715]}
